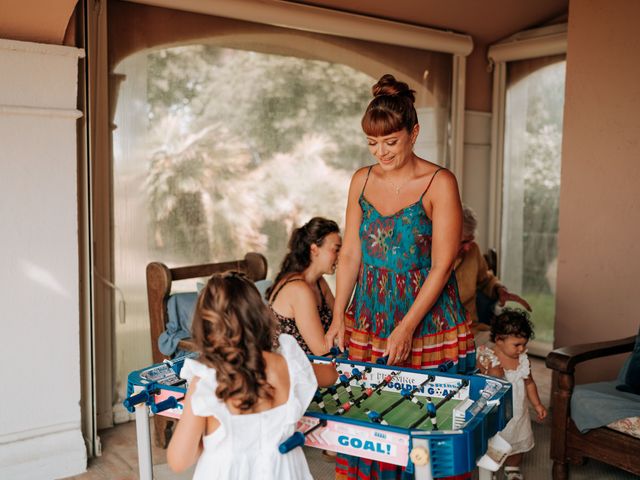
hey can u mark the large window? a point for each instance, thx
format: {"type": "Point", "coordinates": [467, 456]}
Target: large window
{"type": "Point", "coordinates": [221, 151]}
{"type": "Point", "coordinates": [531, 185]}
{"type": "Point", "coordinates": [226, 138]}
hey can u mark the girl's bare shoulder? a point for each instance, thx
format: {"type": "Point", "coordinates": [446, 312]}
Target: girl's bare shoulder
{"type": "Point", "coordinates": [277, 371]}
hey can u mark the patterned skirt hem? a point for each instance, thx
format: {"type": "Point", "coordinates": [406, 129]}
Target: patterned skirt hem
{"type": "Point", "coordinates": [428, 351]}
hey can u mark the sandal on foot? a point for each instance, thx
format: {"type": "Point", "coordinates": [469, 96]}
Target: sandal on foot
{"type": "Point", "coordinates": [513, 473]}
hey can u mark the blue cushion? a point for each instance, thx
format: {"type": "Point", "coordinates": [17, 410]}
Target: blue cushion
{"type": "Point", "coordinates": [180, 307]}
{"type": "Point", "coordinates": [262, 286]}
{"type": "Point", "coordinates": [594, 405]}
{"type": "Point", "coordinates": [631, 381]}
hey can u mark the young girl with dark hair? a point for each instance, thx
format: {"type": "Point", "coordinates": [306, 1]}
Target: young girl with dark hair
{"type": "Point", "coordinates": [507, 358]}
{"type": "Point", "coordinates": [244, 398]}
{"type": "Point", "coordinates": [300, 297]}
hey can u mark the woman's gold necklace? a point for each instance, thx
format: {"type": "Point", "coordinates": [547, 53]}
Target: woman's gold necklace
{"type": "Point", "coordinates": [398, 187]}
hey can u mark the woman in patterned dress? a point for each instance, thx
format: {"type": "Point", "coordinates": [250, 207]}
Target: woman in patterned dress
{"type": "Point", "coordinates": [300, 298]}
{"type": "Point", "coordinates": [402, 235]}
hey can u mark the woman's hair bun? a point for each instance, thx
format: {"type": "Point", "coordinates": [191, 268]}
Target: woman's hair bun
{"type": "Point", "coordinates": [389, 86]}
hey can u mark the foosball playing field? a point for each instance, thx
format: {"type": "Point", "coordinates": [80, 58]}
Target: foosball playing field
{"type": "Point", "coordinates": [395, 408]}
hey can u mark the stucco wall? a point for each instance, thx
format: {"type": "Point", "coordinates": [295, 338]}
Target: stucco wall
{"type": "Point", "coordinates": [40, 434]}
{"type": "Point", "coordinates": [599, 266]}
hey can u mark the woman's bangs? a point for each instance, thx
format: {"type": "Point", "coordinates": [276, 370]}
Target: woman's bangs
{"type": "Point", "coordinates": [376, 123]}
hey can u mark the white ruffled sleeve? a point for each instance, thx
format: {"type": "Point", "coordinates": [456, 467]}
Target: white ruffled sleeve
{"type": "Point", "coordinates": [524, 366]}
{"type": "Point", "coordinates": [204, 402]}
{"type": "Point", "coordinates": [486, 357]}
{"type": "Point", "coordinates": [301, 377]}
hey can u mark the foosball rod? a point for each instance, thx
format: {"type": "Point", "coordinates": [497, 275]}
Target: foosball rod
{"type": "Point", "coordinates": [406, 395]}
{"type": "Point", "coordinates": [448, 397]}
{"type": "Point", "coordinates": [345, 381]}
{"type": "Point", "coordinates": [318, 398]}
{"type": "Point", "coordinates": [320, 394]}
{"type": "Point", "coordinates": [142, 397]}
{"type": "Point", "coordinates": [366, 394]}
{"type": "Point", "coordinates": [332, 390]}
{"type": "Point", "coordinates": [297, 439]}
{"type": "Point", "coordinates": [169, 403]}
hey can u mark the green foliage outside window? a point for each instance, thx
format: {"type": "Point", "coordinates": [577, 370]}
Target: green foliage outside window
{"type": "Point", "coordinates": [245, 145]}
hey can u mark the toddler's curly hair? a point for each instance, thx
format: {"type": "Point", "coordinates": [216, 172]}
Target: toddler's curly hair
{"type": "Point", "coordinates": [512, 322]}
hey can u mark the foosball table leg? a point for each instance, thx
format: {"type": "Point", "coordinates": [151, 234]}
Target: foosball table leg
{"type": "Point", "coordinates": [143, 436]}
{"type": "Point", "coordinates": [484, 474]}
{"type": "Point", "coordinates": [421, 458]}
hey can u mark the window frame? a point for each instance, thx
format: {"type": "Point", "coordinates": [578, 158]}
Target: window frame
{"type": "Point", "coordinates": [528, 44]}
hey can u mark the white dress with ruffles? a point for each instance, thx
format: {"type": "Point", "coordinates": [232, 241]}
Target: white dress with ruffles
{"type": "Point", "coordinates": [518, 432]}
{"type": "Point", "coordinates": [245, 447]}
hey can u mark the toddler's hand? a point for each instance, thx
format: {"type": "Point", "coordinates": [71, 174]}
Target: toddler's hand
{"type": "Point", "coordinates": [541, 411]}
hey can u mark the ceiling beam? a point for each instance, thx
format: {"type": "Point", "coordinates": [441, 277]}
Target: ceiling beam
{"type": "Point", "coordinates": [323, 20]}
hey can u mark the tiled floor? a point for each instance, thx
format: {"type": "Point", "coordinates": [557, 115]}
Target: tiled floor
{"type": "Point", "coordinates": [119, 458]}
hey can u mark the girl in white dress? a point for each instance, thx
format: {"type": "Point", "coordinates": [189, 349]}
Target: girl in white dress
{"type": "Point", "coordinates": [243, 399]}
{"type": "Point", "coordinates": [507, 358]}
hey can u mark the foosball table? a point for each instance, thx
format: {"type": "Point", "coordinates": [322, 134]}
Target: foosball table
{"type": "Point", "coordinates": [434, 423]}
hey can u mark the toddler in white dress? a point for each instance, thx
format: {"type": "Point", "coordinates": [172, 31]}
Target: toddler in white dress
{"type": "Point", "coordinates": [243, 398]}
{"type": "Point", "coordinates": [506, 357]}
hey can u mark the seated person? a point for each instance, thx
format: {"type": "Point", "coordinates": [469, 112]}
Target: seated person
{"type": "Point", "coordinates": [300, 297]}
{"type": "Point", "coordinates": [475, 279]}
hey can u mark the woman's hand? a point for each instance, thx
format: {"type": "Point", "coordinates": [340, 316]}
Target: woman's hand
{"type": "Point", "coordinates": [505, 295]}
{"type": "Point", "coordinates": [335, 332]}
{"type": "Point", "coordinates": [399, 345]}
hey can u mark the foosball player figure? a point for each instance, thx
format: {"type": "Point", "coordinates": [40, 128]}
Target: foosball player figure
{"type": "Point", "coordinates": [431, 411]}
{"type": "Point", "coordinates": [319, 399]}
{"type": "Point", "coordinates": [346, 383]}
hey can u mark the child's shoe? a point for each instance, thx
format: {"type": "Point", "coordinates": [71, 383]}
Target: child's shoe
{"type": "Point", "coordinates": [513, 473]}
{"type": "Point", "coordinates": [329, 456]}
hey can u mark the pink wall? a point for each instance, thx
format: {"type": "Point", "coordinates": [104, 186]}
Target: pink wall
{"type": "Point", "coordinates": [598, 291]}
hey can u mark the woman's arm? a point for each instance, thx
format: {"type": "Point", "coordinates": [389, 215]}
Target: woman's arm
{"type": "Point", "coordinates": [491, 285]}
{"type": "Point", "coordinates": [348, 261]}
{"type": "Point", "coordinates": [504, 296]}
{"type": "Point", "coordinates": [186, 442]}
{"type": "Point", "coordinates": [305, 312]}
{"type": "Point", "coordinates": [446, 217]}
